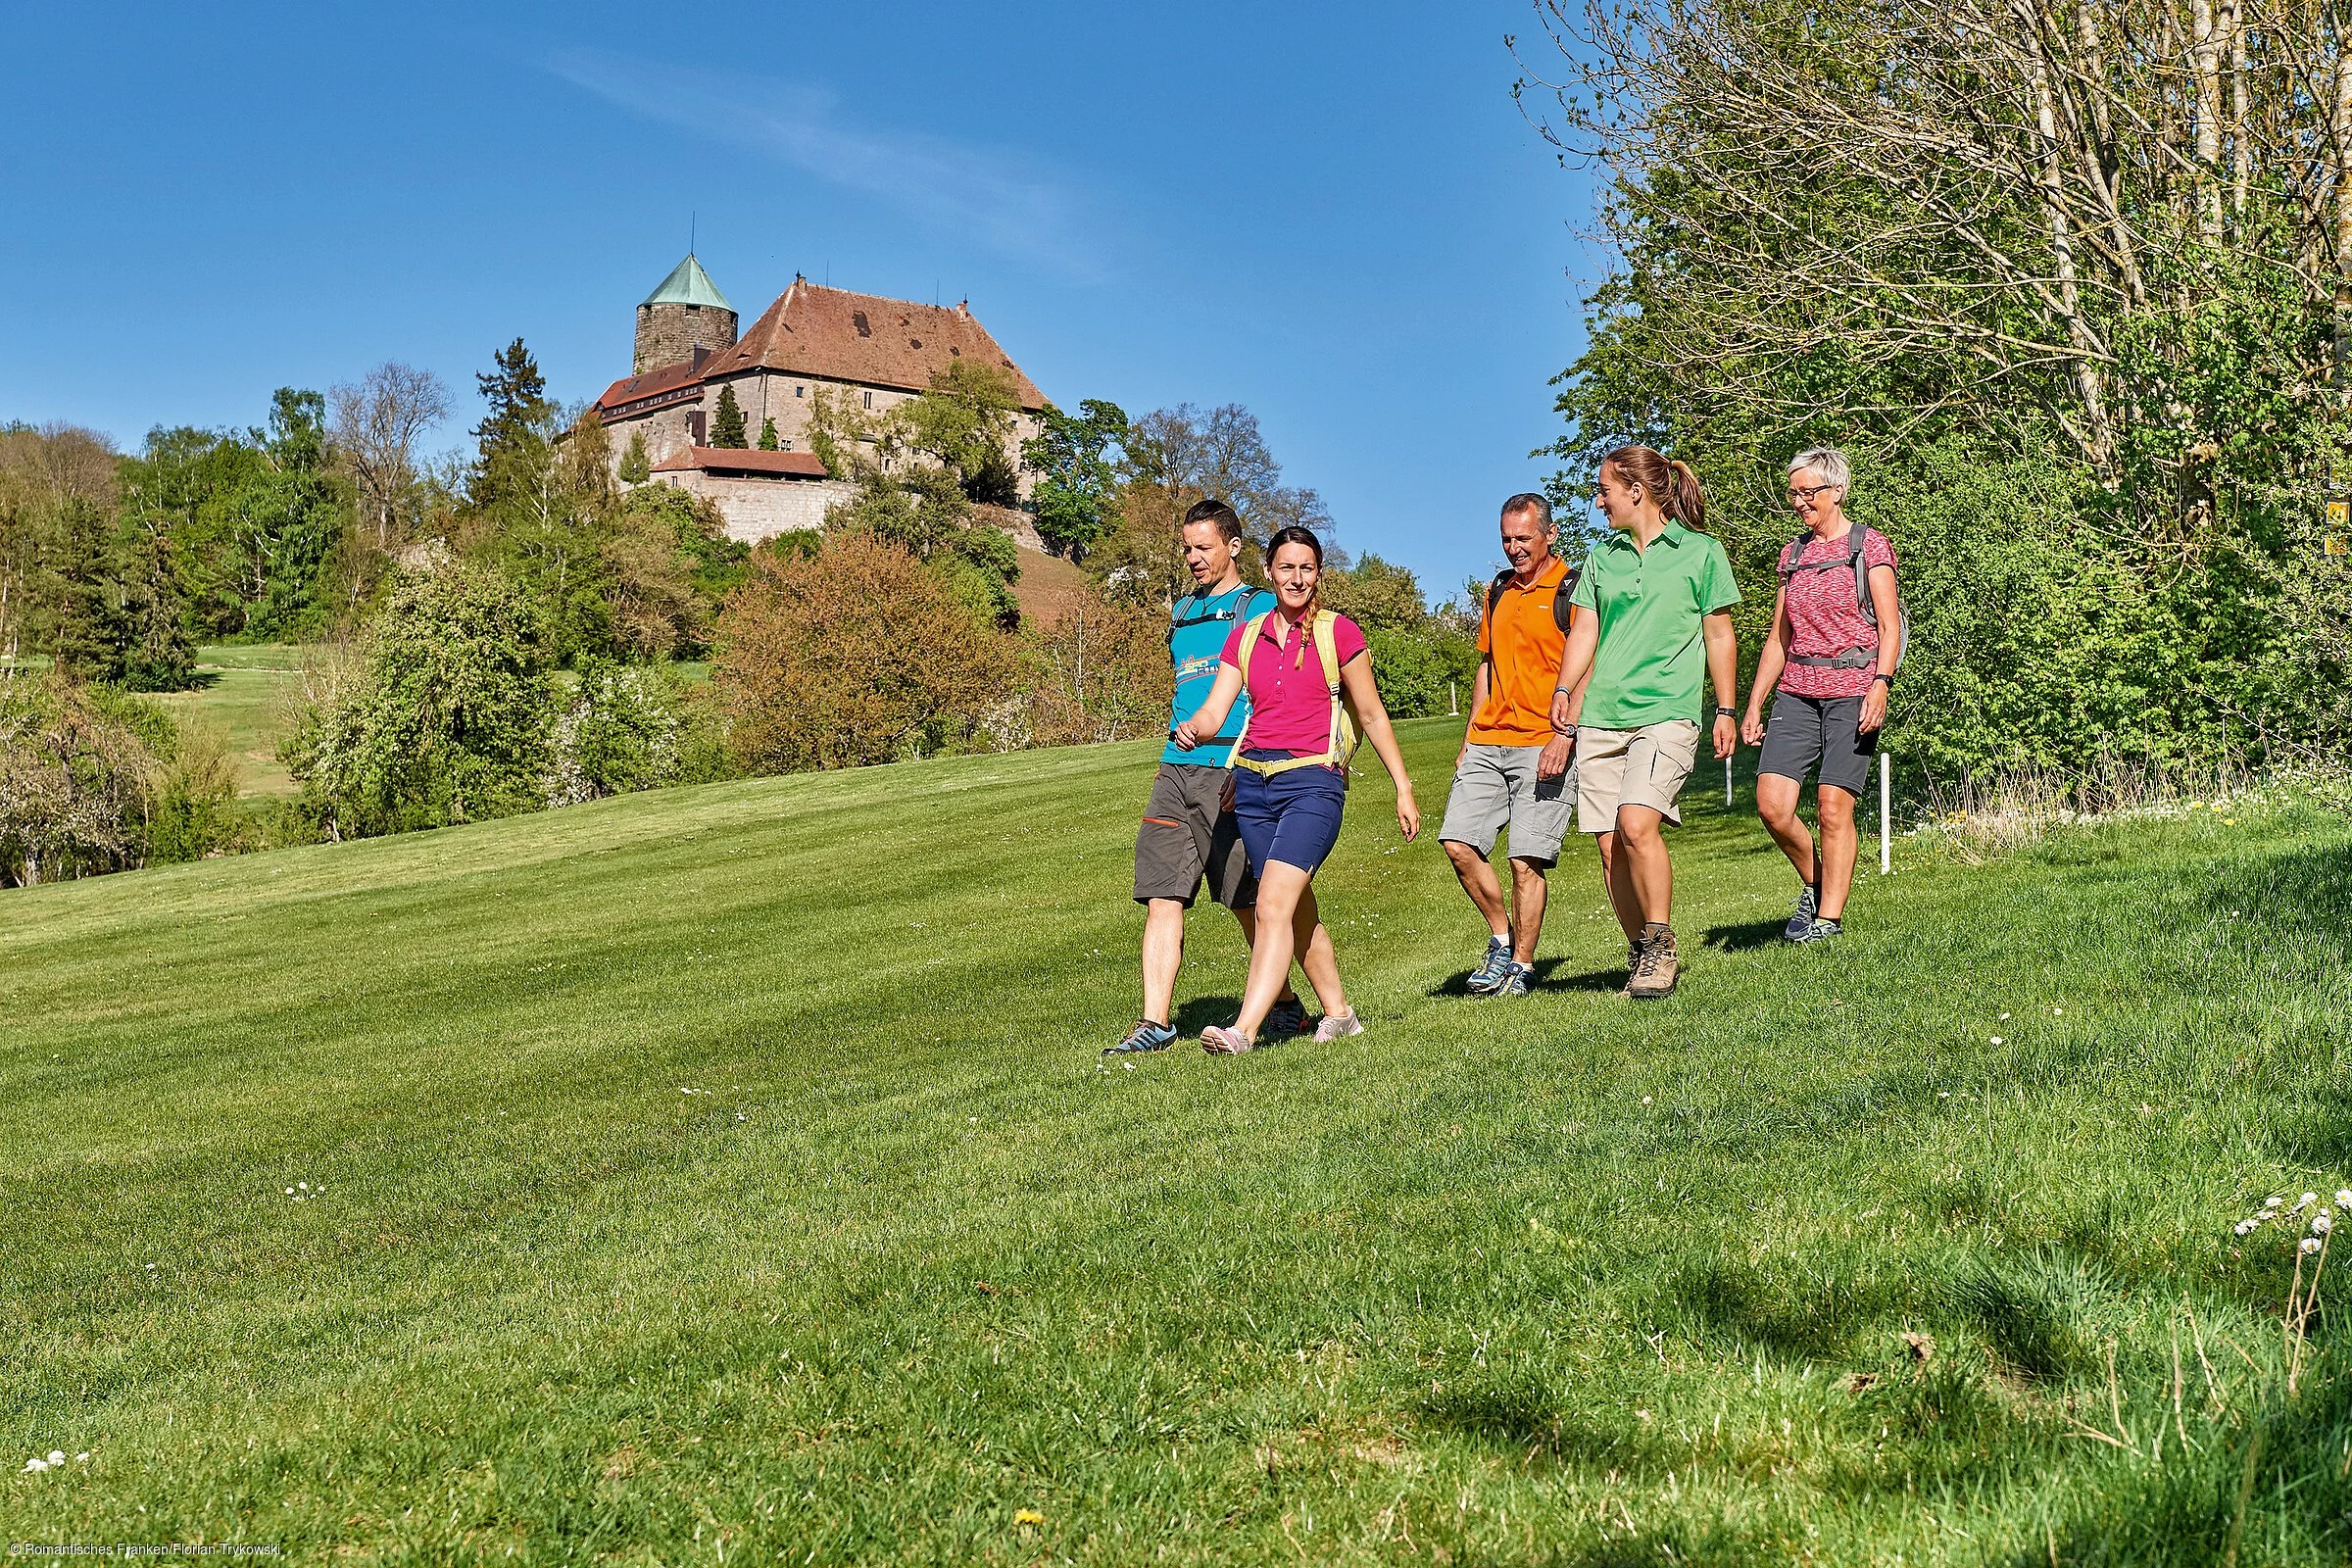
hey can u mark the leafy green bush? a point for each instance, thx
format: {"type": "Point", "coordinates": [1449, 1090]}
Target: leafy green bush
{"type": "Point", "coordinates": [76, 766]}
{"type": "Point", "coordinates": [619, 731]}
{"type": "Point", "coordinates": [442, 717]}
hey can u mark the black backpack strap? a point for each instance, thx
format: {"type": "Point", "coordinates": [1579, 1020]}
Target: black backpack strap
{"type": "Point", "coordinates": [1858, 556]}
{"type": "Point", "coordinates": [1562, 611]}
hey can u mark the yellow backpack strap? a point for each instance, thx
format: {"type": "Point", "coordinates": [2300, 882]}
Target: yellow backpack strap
{"type": "Point", "coordinates": [1326, 633]}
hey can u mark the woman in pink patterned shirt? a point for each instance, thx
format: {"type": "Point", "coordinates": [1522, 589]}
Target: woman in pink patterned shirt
{"type": "Point", "coordinates": [1830, 669]}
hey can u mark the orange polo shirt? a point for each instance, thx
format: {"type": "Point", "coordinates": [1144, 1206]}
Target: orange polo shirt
{"type": "Point", "coordinates": [1524, 646]}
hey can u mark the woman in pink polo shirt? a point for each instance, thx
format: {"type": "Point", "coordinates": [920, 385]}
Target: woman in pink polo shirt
{"type": "Point", "coordinates": [1290, 785]}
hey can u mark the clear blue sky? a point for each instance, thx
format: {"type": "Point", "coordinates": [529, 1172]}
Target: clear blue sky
{"type": "Point", "coordinates": [1332, 214]}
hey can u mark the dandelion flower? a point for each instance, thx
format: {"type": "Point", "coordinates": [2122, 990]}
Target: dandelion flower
{"type": "Point", "coordinates": [1028, 1516]}
{"type": "Point", "coordinates": [2311, 1244]}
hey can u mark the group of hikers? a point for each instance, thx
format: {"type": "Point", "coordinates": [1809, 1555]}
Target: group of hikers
{"type": "Point", "coordinates": [1588, 696]}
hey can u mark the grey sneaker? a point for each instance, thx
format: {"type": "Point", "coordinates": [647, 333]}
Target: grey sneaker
{"type": "Point", "coordinates": [1287, 1018]}
{"type": "Point", "coordinates": [1522, 976]}
{"type": "Point", "coordinates": [1658, 971]}
{"type": "Point", "coordinates": [1819, 931]}
{"type": "Point", "coordinates": [1145, 1036]}
{"type": "Point", "coordinates": [1808, 903]}
{"type": "Point", "coordinates": [1493, 969]}
{"type": "Point", "coordinates": [1337, 1027]}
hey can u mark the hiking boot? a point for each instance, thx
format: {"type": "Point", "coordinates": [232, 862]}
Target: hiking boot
{"type": "Point", "coordinates": [1145, 1036]}
{"type": "Point", "coordinates": [1522, 976]}
{"type": "Point", "coordinates": [1633, 966]}
{"type": "Point", "coordinates": [1493, 969]}
{"type": "Point", "coordinates": [1808, 903]}
{"type": "Point", "coordinates": [1338, 1026]}
{"type": "Point", "coordinates": [1288, 1017]}
{"type": "Point", "coordinates": [1819, 931]}
{"type": "Point", "coordinates": [1660, 967]}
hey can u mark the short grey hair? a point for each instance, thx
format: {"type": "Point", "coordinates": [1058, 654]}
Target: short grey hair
{"type": "Point", "coordinates": [1829, 463]}
{"type": "Point", "coordinates": [1530, 502]}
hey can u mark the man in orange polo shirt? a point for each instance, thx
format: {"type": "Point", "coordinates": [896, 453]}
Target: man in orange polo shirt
{"type": "Point", "coordinates": [1514, 770]}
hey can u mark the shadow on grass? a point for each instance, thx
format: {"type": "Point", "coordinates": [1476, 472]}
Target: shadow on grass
{"type": "Point", "coordinates": [1546, 978]}
{"type": "Point", "coordinates": [1518, 1414]}
{"type": "Point", "coordinates": [1741, 938]}
{"type": "Point", "coordinates": [1199, 1012]}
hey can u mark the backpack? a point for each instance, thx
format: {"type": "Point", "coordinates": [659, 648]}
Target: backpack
{"type": "Point", "coordinates": [1344, 737]}
{"type": "Point", "coordinates": [1181, 617]}
{"type": "Point", "coordinates": [1856, 561]}
{"type": "Point", "coordinates": [1562, 614]}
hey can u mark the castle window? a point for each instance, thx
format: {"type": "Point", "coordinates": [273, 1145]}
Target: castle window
{"type": "Point", "coordinates": [869, 399]}
{"type": "Point", "coordinates": [798, 390]}
{"type": "Point", "coordinates": [691, 309]}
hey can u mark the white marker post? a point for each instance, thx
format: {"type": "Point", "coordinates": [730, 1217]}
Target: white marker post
{"type": "Point", "coordinates": [1453, 701]}
{"type": "Point", "coordinates": [1727, 781]}
{"type": "Point", "coordinates": [1886, 814]}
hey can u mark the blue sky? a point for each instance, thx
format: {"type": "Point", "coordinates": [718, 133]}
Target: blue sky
{"type": "Point", "coordinates": [1332, 214]}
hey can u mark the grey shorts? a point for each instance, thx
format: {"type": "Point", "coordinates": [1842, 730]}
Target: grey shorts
{"type": "Point", "coordinates": [1643, 766]}
{"type": "Point", "coordinates": [1496, 786]}
{"type": "Point", "coordinates": [1824, 730]}
{"type": "Point", "coordinates": [1188, 834]}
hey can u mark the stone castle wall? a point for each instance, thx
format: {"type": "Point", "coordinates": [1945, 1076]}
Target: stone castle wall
{"type": "Point", "coordinates": [761, 508]}
{"type": "Point", "coordinates": [668, 333]}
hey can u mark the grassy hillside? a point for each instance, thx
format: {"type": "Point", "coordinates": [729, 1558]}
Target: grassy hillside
{"type": "Point", "coordinates": [731, 1172]}
{"type": "Point", "coordinates": [246, 692]}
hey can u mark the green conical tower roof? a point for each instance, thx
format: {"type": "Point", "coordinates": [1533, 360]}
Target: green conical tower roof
{"type": "Point", "coordinates": [688, 285]}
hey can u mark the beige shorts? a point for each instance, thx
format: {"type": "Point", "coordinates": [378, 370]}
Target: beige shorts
{"type": "Point", "coordinates": [1643, 766]}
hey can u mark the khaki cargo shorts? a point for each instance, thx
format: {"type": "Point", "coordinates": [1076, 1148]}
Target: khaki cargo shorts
{"type": "Point", "coordinates": [1643, 766]}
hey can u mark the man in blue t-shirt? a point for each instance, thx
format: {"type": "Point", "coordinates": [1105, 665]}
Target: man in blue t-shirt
{"type": "Point", "coordinates": [1187, 830]}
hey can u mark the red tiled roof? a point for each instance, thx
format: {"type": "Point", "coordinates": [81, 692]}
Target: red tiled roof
{"type": "Point", "coordinates": [865, 338]}
{"type": "Point", "coordinates": [739, 459]}
{"type": "Point", "coordinates": [684, 376]}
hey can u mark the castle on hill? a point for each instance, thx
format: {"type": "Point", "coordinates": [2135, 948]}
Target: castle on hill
{"type": "Point", "coordinates": [878, 351]}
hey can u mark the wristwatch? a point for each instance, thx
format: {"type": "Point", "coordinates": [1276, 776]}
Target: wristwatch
{"type": "Point", "coordinates": [1722, 712]}
{"type": "Point", "coordinates": [1888, 679]}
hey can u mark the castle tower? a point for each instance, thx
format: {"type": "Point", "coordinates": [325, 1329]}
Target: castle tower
{"type": "Point", "coordinates": [685, 314]}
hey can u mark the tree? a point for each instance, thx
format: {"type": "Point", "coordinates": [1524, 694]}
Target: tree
{"type": "Point", "coordinates": [635, 466]}
{"type": "Point", "coordinates": [515, 438]}
{"type": "Point", "coordinates": [964, 421]}
{"type": "Point", "coordinates": [1374, 593]}
{"type": "Point", "coordinates": [1076, 463]}
{"type": "Point", "coordinates": [443, 716]}
{"type": "Point", "coordinates": [377, 422]}
{"type": "Point", "coordinates": [1102, 675]}
{"type": "Point", "coordinates": [856, 654]}
{"type": "Point", "coordinates": [768, 434]}
{"type": "Point", "coordinates": [726, 422]}
{"type": "Point", "coordinates": [76, 764]}
{"type": "Point", "coordinates": [1175, 456]}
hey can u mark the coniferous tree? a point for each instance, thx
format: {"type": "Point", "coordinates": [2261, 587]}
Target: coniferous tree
{"type": "Point", "coordinates": [512, 457]}
{"type": "Point", "coordinates": [726, 422]}
{"type": "Point", "coordinates": [768, 434]}
{"type": "Point", "coordinates": [85, 626]}
{"type": "Point", "coordinates": [635, 466]}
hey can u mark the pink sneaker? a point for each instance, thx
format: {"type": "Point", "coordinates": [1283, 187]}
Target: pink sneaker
{"type": "Point", "coordinates": [1221, 1041]}
{"type": "Point", "coordinates": [1339, 1028]}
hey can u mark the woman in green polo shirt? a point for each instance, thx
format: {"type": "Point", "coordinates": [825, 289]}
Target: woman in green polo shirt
{"type": "Point", "coordinates": [1658, 628]}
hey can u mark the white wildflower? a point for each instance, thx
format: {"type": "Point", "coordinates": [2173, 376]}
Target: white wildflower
{"type": "Point", "coordinates": [2343, 1197]}
{"type": "Point", "coordinates": [34, 1467]}
{"type": "Point", "coordinates": [82, 1457]}
{"type": "Point", "coordinates": [2320, 1225]}
{"type": "Point", "coordinates": [289, 1192]}
{"type": "Point", "coordinates": [2311, 1244]}
{"type": "Point", "coordinates": [304, 1186]}
{"type": "Point", "coordinates": [57, 1456]}
{"type": "Point", "coordinates": [2243, 1227]}
{"type": "Point", "coordinates": [1996, 1040]}
{"type": "Point", "coordinates": [1646, 1099]}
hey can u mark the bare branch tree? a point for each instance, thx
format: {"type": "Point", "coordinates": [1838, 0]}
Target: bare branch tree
{"type": "Point", "coordinates": [377, 423]}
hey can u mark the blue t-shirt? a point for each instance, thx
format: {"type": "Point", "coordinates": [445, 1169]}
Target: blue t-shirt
{"type": "Point", "coordinates": [1196, 639]}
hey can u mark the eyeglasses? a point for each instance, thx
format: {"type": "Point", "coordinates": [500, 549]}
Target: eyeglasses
{"type": "Point", "coordinates": [1797, 496]}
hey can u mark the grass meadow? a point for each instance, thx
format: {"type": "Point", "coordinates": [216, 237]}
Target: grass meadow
{"type": "Point", "coordinates": [246, 692]}
{"type": "Point", "coordinates": [729, 1173]}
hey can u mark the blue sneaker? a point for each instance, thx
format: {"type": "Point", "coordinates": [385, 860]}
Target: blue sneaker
{"type": "Point", "coordinates": [1808, 903]}
{"type": "Point", "coordinates": [1145, 1036]}
{"type": "Point", "coordinates": [1821, 931]}
{"type": "Point", "coordinates": [1493, 971]}
{"type": "Point", "coordinates": [1287, 1018]}
{"type": "Point", "coordinates": [1515, 984]}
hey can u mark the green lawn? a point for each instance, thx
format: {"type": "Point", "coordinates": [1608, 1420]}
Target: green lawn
{"type": "Point", "coordinates": [730, 1172]}
{"type": "Point", "coordinates": [246, 693]}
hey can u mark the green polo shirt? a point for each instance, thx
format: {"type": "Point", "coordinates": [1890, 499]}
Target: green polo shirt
{"type": "Point", "coordinates": [1651, 665]}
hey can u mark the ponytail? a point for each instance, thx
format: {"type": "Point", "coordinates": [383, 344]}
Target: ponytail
{"type": "Point", "coordinates": [1670, 482]}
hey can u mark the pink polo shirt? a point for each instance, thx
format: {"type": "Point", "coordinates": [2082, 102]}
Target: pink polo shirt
{"type": "Point", "coordinates": [1289, 707]}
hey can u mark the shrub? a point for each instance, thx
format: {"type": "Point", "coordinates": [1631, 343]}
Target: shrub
{"type": "Point", "coordinates": [76, 767]}
{"type": "Point", "coordinates": [1101, 674]}
{"type": "Point", "coordinates": [442, 717]}
{"type": "Point", "coordinates": [618, 732]}
{"type": "Point", "coordinates": [194, 812]}
{"type": "Point", "coordinates": [856, 654]}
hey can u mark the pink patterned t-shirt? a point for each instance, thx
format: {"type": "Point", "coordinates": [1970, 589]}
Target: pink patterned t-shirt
{"type": "Point", "coordinates": [1289, 707]}
{"type": "Point", "coordinates": [1825, 620]}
